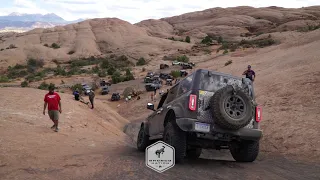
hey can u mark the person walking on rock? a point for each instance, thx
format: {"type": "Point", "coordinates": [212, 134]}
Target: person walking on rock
{"type": "Point", "coordinates": [91, 98]}
{"type": "Point", "coordinates": [53, 101]}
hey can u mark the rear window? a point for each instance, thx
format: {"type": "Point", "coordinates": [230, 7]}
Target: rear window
{"type": "Point", "coordinates": [215, 81]}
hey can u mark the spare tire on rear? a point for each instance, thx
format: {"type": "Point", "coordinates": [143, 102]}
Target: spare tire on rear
{"type": "Point", "coordinates": [231, 109]}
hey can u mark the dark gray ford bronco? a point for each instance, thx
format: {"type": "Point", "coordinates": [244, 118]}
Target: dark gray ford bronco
{"type": "Point", "coordinates": [206, 110]}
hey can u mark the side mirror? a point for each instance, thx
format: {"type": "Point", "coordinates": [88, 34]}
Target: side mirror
{"type": "Point", "coordinates": [150, 106]}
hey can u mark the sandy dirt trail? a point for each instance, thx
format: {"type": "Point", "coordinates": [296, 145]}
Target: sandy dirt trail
{"type": "Point", "coordinates": [91, 145]}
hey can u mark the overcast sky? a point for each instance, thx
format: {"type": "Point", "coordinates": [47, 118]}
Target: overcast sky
{"type": "Point", "coordinates": [133, 10]}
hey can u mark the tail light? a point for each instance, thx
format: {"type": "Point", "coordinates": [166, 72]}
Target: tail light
{"type": "Point", "coordinates": [193, 102]}
{"type": "Point", "coordinates": [258, 113]}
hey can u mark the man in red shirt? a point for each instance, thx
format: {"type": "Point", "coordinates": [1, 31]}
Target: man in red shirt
{"type": "Point", "coordinates": [52, 99]}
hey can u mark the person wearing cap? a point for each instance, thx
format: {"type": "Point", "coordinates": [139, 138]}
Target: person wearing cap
{"type": "Point", "coordinates": [53, 101]}
{"type": "Point", "coordinates": [250, 74]}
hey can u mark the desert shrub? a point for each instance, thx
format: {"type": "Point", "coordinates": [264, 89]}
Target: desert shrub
{"type": "Point", "coordinates": [55, 46]}
{"type": "Point", "coordinates": [183, 58]}
{"type": "Point", "coordinates": [188, 40]}
{"type": "Point", "coordinates": [111, 70]}
{"type": "Point", "coordinates": [259, 42]}
{"type": "Point", "coordinates": [206, 40]}
{"type": "Point", "coordinates": [105, 64]}
{"type": "Point", "coordinates": [258, 33]}
{"type": "Point", "coordinates": [102, 73]}
{"type": "Point", "coordinates": [175, 74]}
{"type": "Point", "coordinates": [225, 51]}
{"type": "Point", "coordinates": [116, 77]}
{"type": "Point", "coordinates": [24, 84]}
{"type": "Point", "coordinates": [60, 71]}
{"type": "Point", "coordinates": [171, 38]}
{"type": "Point", "coordinates": [1, 49]}
{"type": "Point", "coordinates": [14, 73]}
{"type": "Point", "coordinates": [12, 46]}
{"type": "Point", "coordinates": [143, 69]}
{"type": "Point", "coordinates": [4, 79]}
{"type": "Point", "coordinates": [141, 62]}
{"type": "Point", "coordinates": [228, 62]}
{"type": "Point", "coordinates": [129, 76]}
{"type": "Point", "coordinates": [265, 42]}
{"type": "Point", "coordinates": [46, 45]}
{"type": "Point", "coordinates": [220, 39]}
{"type": "Point", "coordinates": [77, 86]}
{"type": "Point", "coordinates": [35, 63]}
{"type": "Point", "coordinates": [45, 86]}
{"type": "Point", "coordinates": [95, 69]}
{"type": "Point", "coordinates": [71, 52]}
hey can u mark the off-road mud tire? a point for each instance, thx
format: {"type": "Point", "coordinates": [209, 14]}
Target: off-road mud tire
{"type": "Point", "coordinates": [175, 137]}
{"type": "Point", "coordinates": [194, 153]}
{"type": "Point", "coordinates": [143, 140]}
{"type": "Point", "coordinates": [245, 151]}
{"type": "Point", "coordinates": [220, 115]}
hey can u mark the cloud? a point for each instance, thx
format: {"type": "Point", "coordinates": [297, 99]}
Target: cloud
{"type": "Point", "coordinates": [137, 10]}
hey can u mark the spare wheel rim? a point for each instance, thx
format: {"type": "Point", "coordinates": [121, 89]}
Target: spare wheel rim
{"type": "Point", "coordinates": [235, 107]}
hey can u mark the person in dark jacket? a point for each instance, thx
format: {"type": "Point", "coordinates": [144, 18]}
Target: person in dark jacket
{"type": "Point", "coordinates": [91, 98]}
{"type": "Point", "coordinates": [76, 95]}
{"type": "Point", "coordinates": [250, 74]}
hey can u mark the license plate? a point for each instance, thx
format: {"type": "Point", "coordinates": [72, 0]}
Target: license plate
{"type": "Point", "coordinates": [203, 127]}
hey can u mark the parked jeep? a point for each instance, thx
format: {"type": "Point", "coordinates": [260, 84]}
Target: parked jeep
{"type": "Point", "coordinates": [104, 90]}
{"type": "Point", "coordinates": [152, 86]}
{"type": "Point", "coordinates": [206, 109]}
{"type": "Point", "coordinates": [115, 97]}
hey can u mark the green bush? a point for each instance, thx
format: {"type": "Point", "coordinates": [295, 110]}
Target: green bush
{"type": "Point", "coordinates": [44, 85]}
{"type": "Point", "coordinates": [188, 39]}
{"type": "Point", "coordinates": [111, 70]}
{"type": "Point", "coordinates": [116, 77]}
{"type": "Point", "coordinates": [206, 40]}
{"type": "Point", "coordinates": [129, 76]}
{"type": "Point", "coordinates": [24, 84]}
{"type": "Point", "coordinates": [105, 64]}
{"type": "Point", "coordinates": [102, 73]}
{"type": "Point", "coordinates": [55, 46]}
{"type": "Point", "coordinates": [60, 71]}
{"type": "Point", "coordinates": [183, 58]}
{"type": "Point", "coordinates": [141, 62]}
{"type": "Point", "coordinates": [227, 63]}
{"type": "Point", "coordinates": [225, 51]}
{"type": "Point", "coordinates": [71, 52]}
{"type": "Point", "coordinates": [4, 79]}
{"type": "Point", "coordinates": [220, 39]}
{"type": "Point", "coordinates": [35, 63]}
{"type": "Point", "coordinates": [95, 70]}
{"type": "Point", "coordinates": [175, 74]}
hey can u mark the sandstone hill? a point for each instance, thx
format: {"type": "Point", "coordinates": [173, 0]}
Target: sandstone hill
{"type": "Point", "coordinates": [234, 23]}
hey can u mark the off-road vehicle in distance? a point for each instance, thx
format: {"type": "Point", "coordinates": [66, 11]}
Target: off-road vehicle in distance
{"type": "Point", "coordinates": [206, 109]}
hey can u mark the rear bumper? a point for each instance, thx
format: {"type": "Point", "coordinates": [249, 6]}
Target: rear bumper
{"type": "Point", "coordinates": [215, 132]}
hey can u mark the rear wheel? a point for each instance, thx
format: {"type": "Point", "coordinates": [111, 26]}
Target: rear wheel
{"type": "Point", "coordinates": [194, 153]}
{"type": "Point", "coordinates": [143, 140]}
{"type": "Point", "coordinates": [245, 151]}
{"type": "Point", "coordinates": [176, 138]}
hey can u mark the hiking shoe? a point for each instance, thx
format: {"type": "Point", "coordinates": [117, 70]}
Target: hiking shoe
{"type": "Point", "coordinates": [56, 130]}
{"type": "Point", "coordinates": [52, 127]}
